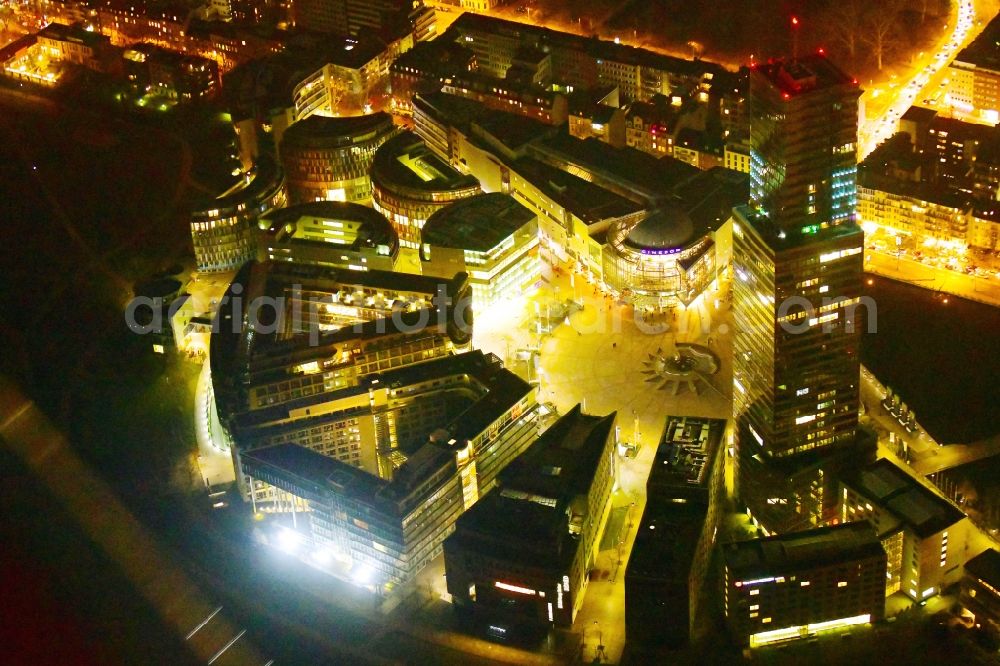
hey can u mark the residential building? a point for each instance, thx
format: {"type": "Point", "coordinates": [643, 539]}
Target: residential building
{"type": "Point", "coordinates": [523, 554]}
{"type": "Point", "coordinates": [489, 236]}
{"type": "Point", "coordinates": [410, 183]}
{"type": "Point", "coordinates": [793, 586]}
{"type": "Point", "coordinates": [151, 68]}
{"type": "Point", "coordinates": [923, 533]}
{"type": "Point", "coordinates": [671, 559]}
{"type": "Point", "coordinates": [974, 76]}
{"type": "Point", "coordinates": [328, 159]}
{"type": "Point", "coordinates": [329, 233]}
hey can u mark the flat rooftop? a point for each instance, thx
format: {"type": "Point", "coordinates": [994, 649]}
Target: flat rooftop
{"type": "Point", "coordinates": [986, 567]}
{"type": "Point", "coordinates": [684, 456]}
{"type": "Point", "coordinates": [405, 162]}
{"type": "Point", "coordinates": [477, 223]}
{"type": "Point", "coordinates": [528, 511]}
{"type": "Point", "coordinates": [373, 228]}
{"type": "Point", "coordinates": [325, 132]}
{"type": "Point", "coordinates": [666, 541]}
{"type": "Point", "coordinates": [802, 550]}
{"type": "Point", "coordinates": [798, 76]}
{"type": "Point", "coordinates": [589, 202]}
{"type": "Point", "coordinates": [983, 51]}
{"type": "Point", "coordinates": [917, 506]}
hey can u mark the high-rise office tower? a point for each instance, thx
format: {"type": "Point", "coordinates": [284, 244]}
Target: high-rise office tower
{"type": "Point", "coordinates": [797, 260]}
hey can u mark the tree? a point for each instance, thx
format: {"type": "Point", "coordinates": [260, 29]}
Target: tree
{"type": "Point", "coordinates": [880, 28]}
{"type": "Point", "coordinates": [846, 21]}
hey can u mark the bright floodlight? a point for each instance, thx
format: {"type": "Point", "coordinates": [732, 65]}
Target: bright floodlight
{"type": "Point", "coordinates": [288, 540]}
{"type": "Point", "coordinates": [362, 574]}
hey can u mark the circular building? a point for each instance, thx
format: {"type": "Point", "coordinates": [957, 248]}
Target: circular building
{"type": "Point", "coordinates": [329, 233]}
{"type": "Point", "coordinates": [659, 259]}
{"type": "Point", "coordinates": [328, 159]}
{"type": "Point", "coordinates": [410, 183]}
{"type": "Point", "coordinates": [222, 229]}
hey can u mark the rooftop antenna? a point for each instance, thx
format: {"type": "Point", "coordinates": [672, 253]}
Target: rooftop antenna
{"type": "Point", "coordinates": [795, 38]}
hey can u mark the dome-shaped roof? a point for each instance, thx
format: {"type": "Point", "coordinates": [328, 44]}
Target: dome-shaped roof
{"type": "Point", "coordinates": [663, 229]}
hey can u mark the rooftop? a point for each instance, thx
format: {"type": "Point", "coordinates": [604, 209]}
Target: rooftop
{"type": "Point", "coordinates": [405, 161]}
{"type": "Point", "coordinates": [802, 550]}
{"type": "Point", "coordinates": [666, 541]}
{"type": "Point", "coordinates": [326, 132]}
{"type": "Point", "coordinates": [373, 229]}
{"type": "Point", "coordinates": [986, 567]}
{"type": "Point", "coordinates": [73, 33]}
{"type": "Point", "coordinates": [478, 223]}
{"type": "Point", "coordinates": [919, 507]}
{"type": "Point", "coordinates": [983, 51]}
{"type": "Point", "coordinates": [684, 456]}
{"type": "Point", "coordinates": [250, 189]}
{"type": "Point", "coordinates": [530, 510]}
{"type": "Point", "coordinates": [802, 75]}
{"type": "Point", "coordinates": [589, 202]}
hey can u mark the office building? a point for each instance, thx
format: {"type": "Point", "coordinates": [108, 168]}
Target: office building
{"type": "Point", "coordinates": [797, 263]}
{"type": "Point", "coordinates": [489, 236]}
{"type": "Point", "coordinates": [670, 255]}
{"type": "Point", "coordinates": [329, 233]}
{"type": "Point", "coordinates": [223, 228]}
{"type": "Point", "coordinates": [384, 18]}
{"type": "Point", "coordinates": [328, 159]}
{"type": "Point", "coordinates": [665, 593]}
{"type": "Point", "coordinates": [389, 523]}
{"type": "Point", "coordinates": [792, 586]}
{"type": "Point", "coordinates": [410, 183]}
{"type": "Point", "coordinates": [924, 534]}
{"type": "Point", "coordinates": [301, 333]}
{"type": "Point", "coordinates": [348, 73]}
{"type": "Point", "coordinates": [981, 589]}
{"type": "Point", "coordinates": [523, 554]}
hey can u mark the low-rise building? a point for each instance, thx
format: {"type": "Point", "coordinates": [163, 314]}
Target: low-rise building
{"type": "Point", "coordinates": [492, 238]}
{"type": "Point", "coordinates": [981, 589]}
{"type": "Point", "coordinates": [223, 228]}
{"type": "Point", "coordinates": [523, 554]}
{"type": "Point", "coordinates": [151, 68]}
{"type": "Point", "coordinates": [792, 586]}
{"type": "Point", "coordinates": [410, 183]}
{"type": "Point", "coordinates": [328, 159]}
{"type": "Point", "coordinates": [665, 594]}
{"type": "Point", "coordinates": [923, 533]}
{"type": "Point", "coordinates": [329, 233]}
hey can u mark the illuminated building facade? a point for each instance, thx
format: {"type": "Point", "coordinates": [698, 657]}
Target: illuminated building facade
{"type": "Point", "coordinates": [328, 233]}
{"type": "Point", "coordinates": [150, 68]}
{"type": "Point", "coordinates": [489, 236]}
{"type": "Point", "coordinates": [981, 589]}
{"type": "Point", "coordinates": [936, 182]}
{"type": "Point", "coordinates": [389, 523]}
{"type": "Point", "coordinates": [522, 554]}
{"type": "Point", "coordinates": [669, 256]}
{"type": "Point", "coordinates": [223, 228]}
{"type": "Point", "coordinates": [671, 557]}
{"type": "Point", "coordinates": [797, 263]}
{"type": "Point", "coordinates": [410, 183]}
{"type": "Point", "coordinates": [328, 159]}
{"type": "Point", "coordinates": [974, 77]}
{"type": "Point", "coordinates": [924, 534]}
{"type": "Point", "coordinates": [793, 586]}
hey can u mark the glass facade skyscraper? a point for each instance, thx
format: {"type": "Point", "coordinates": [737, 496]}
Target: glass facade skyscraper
{"type": "Point", "coordinates": [797, 259]}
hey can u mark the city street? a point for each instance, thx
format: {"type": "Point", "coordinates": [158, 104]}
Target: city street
{"type": "Point", "coordinates": [975, 288]}
{"type": "Point", "coordinates": [884, 108]}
